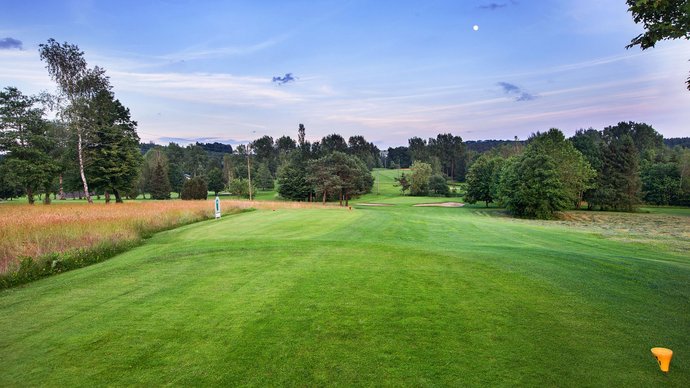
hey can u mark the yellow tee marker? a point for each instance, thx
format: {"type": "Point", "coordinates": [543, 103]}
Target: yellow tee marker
{"type": "Point", "coordinates": [663, 356]}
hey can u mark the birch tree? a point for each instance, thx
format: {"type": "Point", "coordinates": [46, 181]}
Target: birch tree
{"type": "Point", "coordinates": [77, 86]}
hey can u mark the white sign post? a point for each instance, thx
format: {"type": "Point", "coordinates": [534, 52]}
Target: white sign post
{"type": "Point", "coordinates": [217, 207]}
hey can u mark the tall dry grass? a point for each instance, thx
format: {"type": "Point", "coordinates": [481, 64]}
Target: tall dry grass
{"type": "Point", "coordinates": [34, 231]}
{"type": "Point", "coordinates": [38, 230]}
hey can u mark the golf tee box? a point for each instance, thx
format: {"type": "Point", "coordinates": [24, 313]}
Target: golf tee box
{"type": "Point", "coordinates": [663, 356]}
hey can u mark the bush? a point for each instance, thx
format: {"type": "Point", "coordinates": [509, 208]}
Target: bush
{"type": "Point", "coordinates": [240, 187]}
{"type": "Point", "coordinates": [419, 180]}
{"type": "Point", "coordinates": [438, 185]}
{"type": "Point", "coordinates": [194, 188]}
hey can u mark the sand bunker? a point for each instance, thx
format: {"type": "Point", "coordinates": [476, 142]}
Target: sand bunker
{"type": "Point", "coordinates": [375, 204]}
{"type": "Point", "coordinates": [442, 204]}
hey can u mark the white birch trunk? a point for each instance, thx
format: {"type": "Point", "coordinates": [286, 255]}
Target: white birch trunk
{"type": "Point", "coordinates": [81, 169]}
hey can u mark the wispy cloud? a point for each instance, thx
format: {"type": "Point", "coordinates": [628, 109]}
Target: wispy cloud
{"type": "Point", "coordinates": [221, 89]}
{"type": "Point", "coordinates": [493, 6]}
{"type": "Point", "coordinates": [283, 80]}
{"type": "Point", "coordinates": [194, 53]}
{"type": "Point", "coordinates": [192, 140]}
{"type": "Point", "coordinates": [514, 90]}
{"type": "Point", "coordinates": [11, 43]}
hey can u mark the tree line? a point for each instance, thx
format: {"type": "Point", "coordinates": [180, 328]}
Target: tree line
{"type": "Point", "coordinates": [331, 168]}
{"type": "Point", "coordinates": [92, 148]}
{"type": "Point", "coordinates": [617, 168]}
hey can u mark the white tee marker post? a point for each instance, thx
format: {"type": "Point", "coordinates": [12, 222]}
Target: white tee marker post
{"type": "Point", "coordinates": [217, 207]}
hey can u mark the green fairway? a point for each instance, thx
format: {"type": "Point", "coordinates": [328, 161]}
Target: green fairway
{"type": "Point", "coordinates": [376, 296]}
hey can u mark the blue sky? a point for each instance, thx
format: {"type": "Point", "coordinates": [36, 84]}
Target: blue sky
{"type": "Point", "coordinates": [387, 70]}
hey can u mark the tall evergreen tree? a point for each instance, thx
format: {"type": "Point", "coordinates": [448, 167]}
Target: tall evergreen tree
{"type": "Point", "coordinates": [619, 182]}
{"type": "Point", "coordinates": [176, 160]}
{"type": "Point", "coordinates": [292, 181]}
{"type": "Point", "coordinates": [113, 158]}
{"type": "Point", "coordinates": [160, 185]}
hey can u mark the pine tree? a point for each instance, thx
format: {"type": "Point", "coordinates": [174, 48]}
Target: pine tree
{"type": "Point", "coordinates": [264, 179]}
{"type": "Point", "coordinates": [159, 184]}
{"type": "Point", "coordinates": [619, 183]}
{"type": "Point", "coordinates": [112, 159]}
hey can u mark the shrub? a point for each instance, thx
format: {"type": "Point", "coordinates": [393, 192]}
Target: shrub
{"type": "Point", "coordinates": [194, 188]}
{"type": "Point", "coordinates": [419, 180]}
{"type": "Point", "coordinates": [240, 187]}
{"type": "Point", "coordinates": [438, 185]}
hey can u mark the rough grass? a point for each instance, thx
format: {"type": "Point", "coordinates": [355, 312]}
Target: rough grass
{"type": "Point", "coordinates": [396, 296]}
{"type": "Point", "coordinates": [38, 230]}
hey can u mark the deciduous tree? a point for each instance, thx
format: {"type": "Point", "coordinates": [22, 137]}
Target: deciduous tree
{"type": "Point", "coordinates": [661, 19]}
{"type": "Point", "coordinates": [419, 179]}
{"type": "Point", "coordinates": [264, 179]}
{"type": "Point", "coordinates": [403, 183]}
{"type": "Point", "coordinates": [78, 85]}
{"type": "Point", "coordinates": [483, 179]}
{"type": "Point", "coordinates": [24, 137]}
{"type": "Point", "coordinates": [215, 180]}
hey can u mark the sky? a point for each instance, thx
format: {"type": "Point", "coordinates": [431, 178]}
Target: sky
{"type": "Point", "coordinates": [233, 71]}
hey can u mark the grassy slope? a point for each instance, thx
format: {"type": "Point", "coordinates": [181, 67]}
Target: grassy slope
{"type": "Point", "coordinates": [382, 296]}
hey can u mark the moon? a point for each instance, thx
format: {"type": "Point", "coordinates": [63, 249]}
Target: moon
{"type": "Point", "coordinates": [475, 27]}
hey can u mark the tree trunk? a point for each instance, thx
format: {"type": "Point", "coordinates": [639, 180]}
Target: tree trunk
{"type": "Point", "coordinates": [81, 168]}
{"type": "Point", "coordinates": [452, 170]}
{"type": "Point", "coordinates": [249, 174]}
{"type": "Point", "coordinates": [62, 192]}
{"type": "Point", "coordinates": [46, 200]}
{"type": "Point", "coordinates": [324, 197]}
{"type": "Point", "coordinates": [347, 199]}
{"type": "Point", "coordinates": [30, 195]}
{"type": "Point", "coordinates": [107, 197]}
{"type": "Point", "coordinates": [340, 197]}
{"type": "Point", "coordinates": [118, 198]}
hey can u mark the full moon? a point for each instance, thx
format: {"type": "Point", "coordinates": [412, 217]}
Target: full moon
{"type": "Point", "coordinates": [475, 27]}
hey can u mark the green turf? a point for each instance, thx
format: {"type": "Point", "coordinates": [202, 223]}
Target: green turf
{"type": "Point", "coordinates": [373, 296]}
{"type": "Point", "coordinates": [670, 210]}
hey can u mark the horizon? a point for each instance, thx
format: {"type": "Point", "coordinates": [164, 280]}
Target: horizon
{"type": "Point", "coordinates": [387, 71]}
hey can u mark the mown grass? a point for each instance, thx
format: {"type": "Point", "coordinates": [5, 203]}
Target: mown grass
{"type": "Point", "coordinates": [370, 296]}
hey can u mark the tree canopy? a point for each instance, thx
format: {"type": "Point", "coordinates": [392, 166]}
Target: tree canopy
{"type": "Point", "coordinates": [661, 19]}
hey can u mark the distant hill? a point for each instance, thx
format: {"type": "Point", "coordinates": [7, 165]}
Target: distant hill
{"type": "Point", "coordinates": [486, 145]}
{"type": "Point", "coordinates": [677, 141]}
{"type": "Point", "coordinates": [212, 148]}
